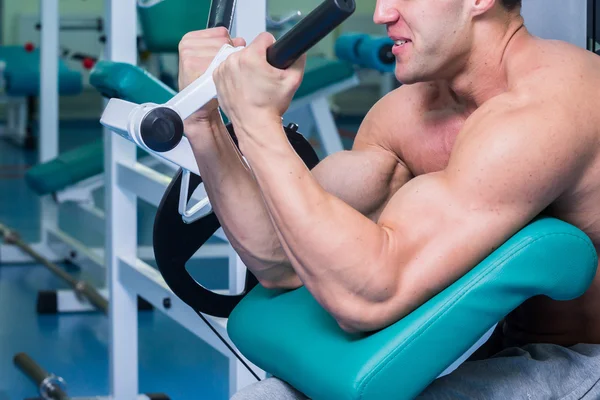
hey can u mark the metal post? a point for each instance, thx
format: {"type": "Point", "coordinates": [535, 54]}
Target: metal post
{"type": "Point", "coordinates": [49, 100]}
{"type": "Point", "coordinates": [249, 22]}
{"type": "Point", "coordinates": [121, 217]}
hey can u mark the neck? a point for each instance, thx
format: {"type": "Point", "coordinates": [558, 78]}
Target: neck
{"type": "Point", "coordinates": [485, 73]}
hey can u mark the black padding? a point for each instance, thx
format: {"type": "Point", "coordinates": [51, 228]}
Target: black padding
{"type": "Point", "coordinates": [47, 302]}
{"type": "Point", "coordinates": [158, 396]}
{"type": "Point", "coordinates": [175, 242]}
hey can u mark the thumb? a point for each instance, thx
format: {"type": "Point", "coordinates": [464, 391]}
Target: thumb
{"type": "Point", "coordinates": [263, 41]}
{"type": "Point", "coordinates": [299, 64]}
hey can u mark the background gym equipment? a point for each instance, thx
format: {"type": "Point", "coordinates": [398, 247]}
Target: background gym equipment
{"type": "Point", "coordinates": [80, 287]}
{"type": "Point", "coordinates": [50, 386]}
{"type": "Point", "coordinates": [53, 387]}
{"type": "Point", "coordinates": [366, 51]}
{"type": "Point", "coordinates": [20, 85]}
{"type": "Point", "coordinates": [159, 130]}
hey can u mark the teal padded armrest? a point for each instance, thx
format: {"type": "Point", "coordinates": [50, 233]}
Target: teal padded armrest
{"type": "Point", "coordinates": [119, 80]}
{"type": "Point", "coordinates": [164, 24]}
{"type": "Point", "coordinates": [22, 73]}
{"type": "Point", "coordinates": [288, 334]}
{"type": "Point", "coordinates": [132, 83]}
{"type": "Point", "coordinates": [129, 82]}
{"type": "Point", "coordinates": [67, 169]}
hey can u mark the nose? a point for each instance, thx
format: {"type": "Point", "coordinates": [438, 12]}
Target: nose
{"type": "Point", "coordinates": [385, 12]}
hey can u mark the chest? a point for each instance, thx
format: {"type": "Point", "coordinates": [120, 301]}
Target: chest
{"type": "Point", "coordinates": [428, 147]}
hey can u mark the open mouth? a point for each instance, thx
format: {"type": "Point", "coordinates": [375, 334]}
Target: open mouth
{"type": "Point", "coordinates": [401, 42]}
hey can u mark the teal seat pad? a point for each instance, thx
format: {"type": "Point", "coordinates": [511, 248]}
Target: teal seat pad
{"type": "Point", "coordinates": [22, 73]}
{"type": "Point", "coordinates": [288, 334]}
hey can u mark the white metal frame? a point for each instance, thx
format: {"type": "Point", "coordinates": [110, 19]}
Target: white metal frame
{"type": "Point", "coordinates": [55, 244]}
{"type": "Point", "coordinates": [130, 276]}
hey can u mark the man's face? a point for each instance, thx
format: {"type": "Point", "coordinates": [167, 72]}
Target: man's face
{"type": "Point", "coordinates": [437, 34]}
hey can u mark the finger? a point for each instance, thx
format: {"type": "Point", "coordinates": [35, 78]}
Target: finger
{"type": "Point", "coordinates": [219, 31]}
{"type": "Point", "coordinates": [238, 41]}
{"type": "Point", "coordinates": [262, 42]}
{"type": "Point", "coordinates": [299, 64]}
{"type": "Point", "coordinates": [204, 44]}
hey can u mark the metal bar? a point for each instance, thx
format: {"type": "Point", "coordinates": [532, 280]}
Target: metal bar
{"type": "Point", "coordinates": [57, 237]}
{"type": "Point", "coordinates": [69, 301]}
{"type": "Point", "coordinates": [80, 286]}
{"type": "Point", "coordinates": [45, 381]}
{"type": "Point", "coordinates": [11, 254]}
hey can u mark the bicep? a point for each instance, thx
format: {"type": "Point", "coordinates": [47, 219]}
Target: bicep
{"type": "Point", "coordinates": [367, 176]}
{"type": "Point", "coordinates": [363, 178]}
{"type": "Point", "coordinates": [441, 225]}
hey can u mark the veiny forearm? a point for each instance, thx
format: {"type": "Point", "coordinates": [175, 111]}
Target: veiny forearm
{"type": "Point", "coordinates": [237, 202]}
{"type": "Point", "coordinates": [338, 253]}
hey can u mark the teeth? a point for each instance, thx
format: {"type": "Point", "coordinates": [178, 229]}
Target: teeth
{"type": "Point", "coordinates": [401, 42]}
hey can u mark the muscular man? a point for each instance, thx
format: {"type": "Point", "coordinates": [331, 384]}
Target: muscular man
{"type": "Point", "coordinates": [492, 127]}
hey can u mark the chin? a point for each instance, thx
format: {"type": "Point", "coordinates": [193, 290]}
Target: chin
{"type": "Point", "coordinates": [407, 76]}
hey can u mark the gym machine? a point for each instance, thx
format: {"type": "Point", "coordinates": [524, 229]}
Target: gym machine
{"type": "Point", "coordinates": [129, 276]}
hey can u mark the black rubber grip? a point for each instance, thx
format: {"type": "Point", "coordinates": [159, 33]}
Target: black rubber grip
{"type": "Point", "coordinates": [221, 14]}
{"type": "Point", "coordinates": [309, 31]}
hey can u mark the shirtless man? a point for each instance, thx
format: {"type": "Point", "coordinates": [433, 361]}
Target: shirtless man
{"type": "Point", "coordinates": [491, 128]}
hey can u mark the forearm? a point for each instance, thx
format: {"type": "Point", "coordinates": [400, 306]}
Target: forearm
{"type": "Point", "coordinates": [336, 251]}
{"type": "Point", "coordinates": [237, 202]}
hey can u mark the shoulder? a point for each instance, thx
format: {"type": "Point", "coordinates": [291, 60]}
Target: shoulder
{"type": "Point", "coordinates": [557, 72]}
{"type": "Point", "coordinates": [398, 113]}
{"type": "Point", "coordinates": [516, 137]}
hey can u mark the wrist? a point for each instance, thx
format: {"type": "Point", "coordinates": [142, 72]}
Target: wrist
{"type": "Point", "coordinates": [264, 133]}
{"type": "Point", "coordinates": [202, 125]}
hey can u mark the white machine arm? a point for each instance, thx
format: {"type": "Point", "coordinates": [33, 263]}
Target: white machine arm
{"type": "Point", "coordinates": [158, 129]}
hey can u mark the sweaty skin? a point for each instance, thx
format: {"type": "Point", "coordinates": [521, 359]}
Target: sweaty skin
{"type": "Point", "coordinates": [491, 128]}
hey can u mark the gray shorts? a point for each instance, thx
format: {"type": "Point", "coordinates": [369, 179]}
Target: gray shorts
{"type": "Point", "coordinates": [531, 372]}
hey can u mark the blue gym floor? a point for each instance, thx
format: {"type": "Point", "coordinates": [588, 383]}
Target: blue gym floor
{"type": "Point", "coordinates": [75, 347]}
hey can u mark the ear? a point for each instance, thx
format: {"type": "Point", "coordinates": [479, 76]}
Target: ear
{"type": "Point", "coordinates": [479, 7]}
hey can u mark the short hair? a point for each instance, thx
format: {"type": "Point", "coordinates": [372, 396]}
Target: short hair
{"type": "Point", "coordinates": [511, 5]}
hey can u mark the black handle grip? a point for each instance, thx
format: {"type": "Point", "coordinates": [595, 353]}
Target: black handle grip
{"type": "Point", "coordinates": [309, 31]}
{"type": "Point", "coordinates": [221, 14]}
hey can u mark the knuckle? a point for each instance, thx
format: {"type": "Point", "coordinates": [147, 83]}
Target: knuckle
{"type": "Point", "coordinates": [186, 38]}
{"type": "Point", "coordinates": [221, 31]}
